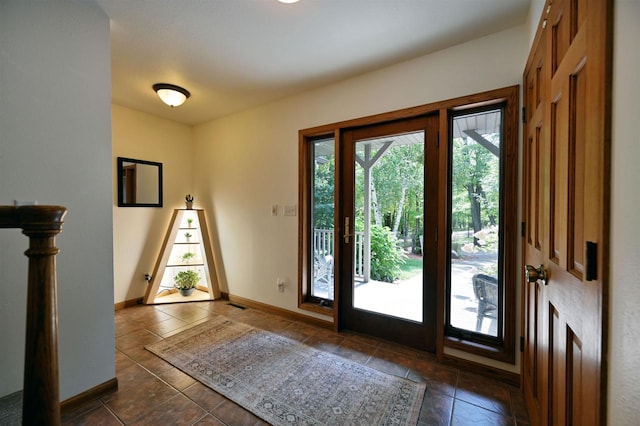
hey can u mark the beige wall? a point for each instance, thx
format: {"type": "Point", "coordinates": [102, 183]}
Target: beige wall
{"type": "Point", "coordinates": [248, 161]}
{"type": "Point", "coordinates": [55, 147]}
{"type": "Point", "coordinates": [138, 231]}
{"type": "Point", "coordinates": [535, 13]}
{"type": "Point", "coordinates": [624, 302]}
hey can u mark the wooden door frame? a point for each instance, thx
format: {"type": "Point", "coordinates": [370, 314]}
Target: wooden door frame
{"type": "Point", "coordinates": [129, 177]}
{"type": "Point", "coordinates": [507, 94]}
{"type": "Point", "coordinates": [407, 333]}
{"type": "Point", "coordinates": [479, 345]}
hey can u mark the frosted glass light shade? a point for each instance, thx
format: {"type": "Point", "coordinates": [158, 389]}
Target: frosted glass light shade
{"type": "Point", "coordinates": [170, 94]}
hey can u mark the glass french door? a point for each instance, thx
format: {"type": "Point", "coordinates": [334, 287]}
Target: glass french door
{"type": "Point", "coordinates": [387, 220]}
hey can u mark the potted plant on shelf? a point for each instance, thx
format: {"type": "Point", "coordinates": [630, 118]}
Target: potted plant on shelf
{"type": "Point", "coordinates": [188, 257]}
{"type": "Point", "coordinates": [188, 236]}
{"type": "Point", "coordinates": [189, 222]}
{"type": "Point", "coordinates": [189, 201]}
{"type": "Point", "coordinates": [186, 282]}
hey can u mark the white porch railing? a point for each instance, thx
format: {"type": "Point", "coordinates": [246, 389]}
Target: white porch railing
{"type": "Point", "coordinates": [323, 245]}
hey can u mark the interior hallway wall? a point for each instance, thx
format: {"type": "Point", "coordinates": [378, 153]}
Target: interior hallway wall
{"type": "Point", "coordinates": [624, 334]}
{"type": "Point", "coordinates": [55, 147]}
{"type": "Point", "coordinates": [138, 232]}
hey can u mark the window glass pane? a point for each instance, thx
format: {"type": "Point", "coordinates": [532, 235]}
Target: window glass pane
{"type": "Point", "coordinates": [389, 213]}
{"type": "Point", "coordinates": [475, 296]}
{"type": "Point", "coordinates": [323, 208]}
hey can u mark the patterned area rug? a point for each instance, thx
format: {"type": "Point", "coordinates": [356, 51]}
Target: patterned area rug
{"type": "Point", "coordinates": [285, 382]}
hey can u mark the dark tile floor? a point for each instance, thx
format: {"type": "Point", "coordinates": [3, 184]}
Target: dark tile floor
{"type": "Point", "coordinates": [152, 392]}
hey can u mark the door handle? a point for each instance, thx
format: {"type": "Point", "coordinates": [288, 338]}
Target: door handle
{"type": "Point", "coordinates": [533, 274]}
{"type": "Point", "coordinates": [346, 235]}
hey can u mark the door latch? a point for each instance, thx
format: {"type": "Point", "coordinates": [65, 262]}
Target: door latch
{"type": "Point", "coordinates": [534, 274]}
{"type": "Point", "coordinates": [347, 234]}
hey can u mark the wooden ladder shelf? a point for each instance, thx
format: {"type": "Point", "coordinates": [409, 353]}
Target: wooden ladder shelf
{"type": "Point", "coordinates": [186, 247]}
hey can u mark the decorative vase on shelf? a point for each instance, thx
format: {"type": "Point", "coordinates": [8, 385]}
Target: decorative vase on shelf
{"type": "Point", "coordinates": [188, 200]}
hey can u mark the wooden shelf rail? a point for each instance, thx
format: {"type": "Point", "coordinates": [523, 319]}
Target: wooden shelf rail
{"type": "Point", "coordinates": [41, 395]}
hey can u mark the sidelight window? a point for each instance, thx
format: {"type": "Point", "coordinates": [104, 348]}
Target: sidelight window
{"type": "Point", "coordinates": [323, 161]}
{"type": "Point", "coordinates": [481, 233]}
{"type": "Point", "coordinates": [475, 302]}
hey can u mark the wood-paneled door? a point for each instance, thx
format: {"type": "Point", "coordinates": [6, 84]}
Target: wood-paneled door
{"type": "Point", "coordinates": [565, 211]}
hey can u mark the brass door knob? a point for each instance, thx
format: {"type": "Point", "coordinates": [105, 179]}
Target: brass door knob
{"type": "Point", "coordinates": [534, 274]}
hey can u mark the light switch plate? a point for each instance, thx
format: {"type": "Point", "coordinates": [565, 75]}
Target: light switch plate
{"type": "Point", "coordinates": [290, 210]}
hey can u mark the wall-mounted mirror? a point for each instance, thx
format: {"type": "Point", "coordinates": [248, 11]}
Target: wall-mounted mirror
{"type": "Point", "coordinates": [139, 183]}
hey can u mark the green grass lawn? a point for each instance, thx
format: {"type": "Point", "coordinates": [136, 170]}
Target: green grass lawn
{"type": "Point", "coordinates": [410, 267]}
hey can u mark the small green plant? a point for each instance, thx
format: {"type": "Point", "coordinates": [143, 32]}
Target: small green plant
{"type": "Point", "coordinates": [189, 222]}
{"type": "Point", "coordinates": [188, 257]}
{"type": "Point", "coordinates": [185, 280]}
{"type": "Point", "coordinates": [187, 235]}
{"type": "Point", "coordinates": [386, 257]}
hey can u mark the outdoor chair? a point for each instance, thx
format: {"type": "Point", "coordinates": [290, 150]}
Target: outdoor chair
{"type": "Point", "coordinates": [485, 289]}
{"type": "Point", "coordinates": [323, 271]}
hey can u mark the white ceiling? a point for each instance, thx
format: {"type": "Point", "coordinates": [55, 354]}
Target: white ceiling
{"type": "Point", "coordinates": [236, 54]}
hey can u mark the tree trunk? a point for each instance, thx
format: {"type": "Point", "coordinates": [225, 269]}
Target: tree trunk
{"type": "Point", "coordinates": [374, 201]}
{"type": "Point", "coordinates": [396, 223]}
{"type": "Point", "coordinates": [476, 212]}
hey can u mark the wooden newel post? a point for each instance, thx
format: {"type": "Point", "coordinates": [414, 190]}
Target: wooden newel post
{"type": "Point", "coordinates": [41, 398]}
{"type": "Point", "coordinates": [41, 403]}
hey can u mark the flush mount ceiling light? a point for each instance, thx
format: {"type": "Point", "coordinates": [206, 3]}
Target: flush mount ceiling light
{"type": "Point", "coordinates": [288, 1]}
{"type": "Point", "coordinates": [171, 94]}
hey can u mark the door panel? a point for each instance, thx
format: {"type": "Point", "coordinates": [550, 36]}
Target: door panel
{"type": "Point", "coordinates": [557, 181]}
{"type": "Point", "coordinates": [566, 136]}
{"type": "Point", "coordinates": [556, 368]}
{"type": "Point", "coordinates": [576, 173]}
{"type": "Point", "coordinates": [376, 289]}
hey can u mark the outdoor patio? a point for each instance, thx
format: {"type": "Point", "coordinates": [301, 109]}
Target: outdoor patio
{"type": "Point", "coordinates": [403, 298]}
